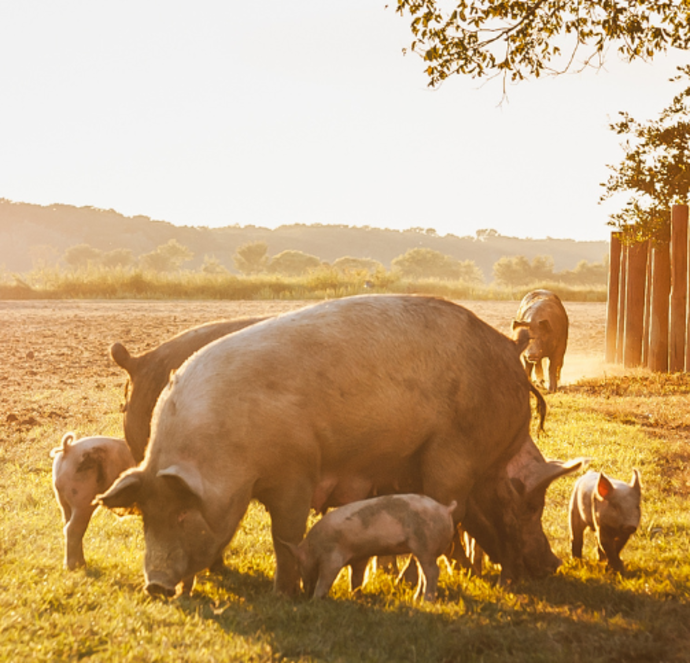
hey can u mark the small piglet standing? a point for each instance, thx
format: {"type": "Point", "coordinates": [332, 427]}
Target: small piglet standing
{"type": "Point", "coordinates": [609, 507]}
{"type": "Point", "coordinates": [82, 470]}
{"type": "Point", "coordinates": [388, 525]}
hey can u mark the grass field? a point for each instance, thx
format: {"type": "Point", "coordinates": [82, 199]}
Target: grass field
{"type": "Point", "coordinates": [55, 376]}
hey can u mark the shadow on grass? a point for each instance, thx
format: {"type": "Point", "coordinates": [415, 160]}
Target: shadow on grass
{"type": "Point", "coordinates": [562, 618]}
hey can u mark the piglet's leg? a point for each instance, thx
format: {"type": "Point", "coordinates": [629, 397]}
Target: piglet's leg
{"type": "Point", "coordinates": [74, 535]}
{"type": "Point", "coordinates": [577, 529]}
{"type": "Point", "coordinates": [328, 572]}
{"type": "Point", "coordinates": [358, 569]}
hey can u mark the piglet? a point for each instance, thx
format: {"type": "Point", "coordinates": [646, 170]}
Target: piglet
{"type": "Point", "coordinates": [609, 507]}
{"type": "Point", "coordinates": [82, 470]}
{"type": "Point", "coordinates": [388, 525]}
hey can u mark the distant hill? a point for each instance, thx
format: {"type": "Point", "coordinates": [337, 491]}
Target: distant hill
{"type": "Point", "coordinates": [31, 233]}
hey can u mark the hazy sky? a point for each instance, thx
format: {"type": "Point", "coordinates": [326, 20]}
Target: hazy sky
{"type": "Point", "coordinates": [274, 112]}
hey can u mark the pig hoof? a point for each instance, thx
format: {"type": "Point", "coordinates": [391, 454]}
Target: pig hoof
{"type": "Point", "coordinates": [73, 566]}
{"type": "Point", "coordinates": [156, 590]}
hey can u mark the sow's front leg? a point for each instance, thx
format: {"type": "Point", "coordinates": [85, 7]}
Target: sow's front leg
{"type": "Point", "coordinates": [289, 509]}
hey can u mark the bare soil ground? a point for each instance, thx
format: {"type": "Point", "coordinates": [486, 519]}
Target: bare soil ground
{"type": "Point", "coordinates": [60, 345]}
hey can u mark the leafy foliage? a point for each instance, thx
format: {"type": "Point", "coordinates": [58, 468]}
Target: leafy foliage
{"type": "Point", "coordinates": [293, 263]}
{"type": "Point", "coordinates": [518, 270]}
{"type": "Point", "coordinates": [117, 258]}
{"type": "Point", "coordinates": [350, 265]}
{"type": "Point", "coordinates": [81, 254]}
{"type": "Point", "coordinates": [167, 257]}
{"type": "Point", "coordinates": [655, 168]}
{"type": "Point", "coordinates": [251, 258]}
{"type": "Point", "coordinates": [520, 39]}
{"type": "Point", "coordinates": [212, 265]}
{"type": "Point", "coordinates": [423, 262]}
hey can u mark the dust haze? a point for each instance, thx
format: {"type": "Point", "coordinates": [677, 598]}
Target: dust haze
{"type": "Point", "coordinates": [584, 357]}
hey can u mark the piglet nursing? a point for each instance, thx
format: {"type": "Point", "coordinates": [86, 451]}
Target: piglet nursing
{"type": "Point", "coordinates": [388, 525]}
{"type": "Point", "coordinates": [82, 470]}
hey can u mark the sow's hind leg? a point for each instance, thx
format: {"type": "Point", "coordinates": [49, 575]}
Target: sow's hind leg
{"type": "Point", "coordinates": [289, 506]}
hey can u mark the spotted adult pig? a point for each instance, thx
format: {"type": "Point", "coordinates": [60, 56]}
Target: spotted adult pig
{"type": "Point", "coordinates": [149, 373]}
{"type": "Point", "coordinates": [328, 405]}
{"type": "Point", "coordinates": [609, 507]}
{"type": "Point", "coordinates": [81, 470]}
{"type": "Point", "coordinates": [543, 314]}
{"type": "Point", "coordinates": [388, 525]}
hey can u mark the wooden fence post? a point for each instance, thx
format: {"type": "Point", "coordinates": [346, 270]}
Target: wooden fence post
{"type": "Point", "coordinates": [659, 308]}
{"type": "Point", "coordinates": [635, 304]}
{"type": "Point", "coordinates": [679, 282]}
{"type": "Point", "coordinates": [681, 211]}
{"type": "Point", "coordinates": [647, 305]}
{"type": "Point", "coordinates": [612, 298]}
{"type": "Point", "coordinates": [620, 325]}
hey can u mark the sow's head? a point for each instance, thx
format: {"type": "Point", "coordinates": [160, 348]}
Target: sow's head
{"type": "Point", "coordinates": [179, 538]}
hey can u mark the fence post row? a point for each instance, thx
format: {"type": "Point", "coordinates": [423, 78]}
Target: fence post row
{"type": "Point", "coordinates": [647, 311]}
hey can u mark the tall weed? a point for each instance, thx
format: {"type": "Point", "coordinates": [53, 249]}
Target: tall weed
{"type": "Point", "coordinates": [97, 282]}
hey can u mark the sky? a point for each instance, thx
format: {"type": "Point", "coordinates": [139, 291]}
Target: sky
{"type": "Point", "coordinates": [218, 113]}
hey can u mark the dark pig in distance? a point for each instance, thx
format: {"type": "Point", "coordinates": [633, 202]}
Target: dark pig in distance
{"type": "Point", "coordinates": [325, 406]}
{"type": "Point", "coordinates": [542, 313]}
{"type": "Point", "coordinates": [149, 373]}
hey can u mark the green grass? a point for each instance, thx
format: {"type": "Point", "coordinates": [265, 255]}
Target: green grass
{"type": "Point", "coordinates": [102, 283]}
{"type": "Point", "coordinates": [582, 613]}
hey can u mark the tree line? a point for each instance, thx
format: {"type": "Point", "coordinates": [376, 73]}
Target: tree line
{"type": "Point", "coordinates": [253, 258]}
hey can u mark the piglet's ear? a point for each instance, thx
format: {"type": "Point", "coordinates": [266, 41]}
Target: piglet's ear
{"type": "Point", "coordinates": [124, 493]}
{"type": "Point", "coordinates": [635, 483]}
{"type": "Point", "coordinates": [604, 486]}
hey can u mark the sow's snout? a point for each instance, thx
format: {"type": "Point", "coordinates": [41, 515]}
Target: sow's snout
{"type": "Point", "coordinates": [160, 584]}
{"type": "Point", "coordinates": [542, 565]}
{"type": "Point", "coordinates": [156, 589]}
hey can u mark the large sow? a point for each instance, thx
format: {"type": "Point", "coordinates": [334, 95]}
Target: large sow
{"type": "Point", "coordinates": [149, 372]}
{"type": "Point", "coordinates": [325, 406]}
{"type": "Point", "coordinates": [543, 314]}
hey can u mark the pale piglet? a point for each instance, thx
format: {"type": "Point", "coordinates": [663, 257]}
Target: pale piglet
{"type": "Point", "coordinates": [610, 508]}
{"type": "Point", "coordinates": [388, 525]}
{"type": "Point", "coordinates": [82, 470]}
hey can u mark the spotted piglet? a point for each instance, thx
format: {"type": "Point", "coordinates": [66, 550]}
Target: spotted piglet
{"type": "Point", "coordinates": [609, 507]}
{"type": "Point", "coordinates": [82, 470]}
{"type": "Point", "coordinates": [388, 525]}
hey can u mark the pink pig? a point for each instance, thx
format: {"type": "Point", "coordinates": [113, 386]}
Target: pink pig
{"type": "Point", "coordinates": [609, 507]}
{"type": "Point", "coordinates": [82, 470]}
{"type": "Point", "coordinates": [388, 525]}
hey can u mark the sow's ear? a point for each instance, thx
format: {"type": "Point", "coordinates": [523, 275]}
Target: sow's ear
{"type": "Point", "coordinates": [187, 479]}
{"type": "Point", "coordinates": [554, 469]}
{"type": "Point", "coordinates": [122, 358]}
{"type": "Point", "coordinates": [124, 493]}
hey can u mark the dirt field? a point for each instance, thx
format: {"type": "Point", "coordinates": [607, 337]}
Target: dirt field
{"type": "Point", "coordinates": [56, 345]}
